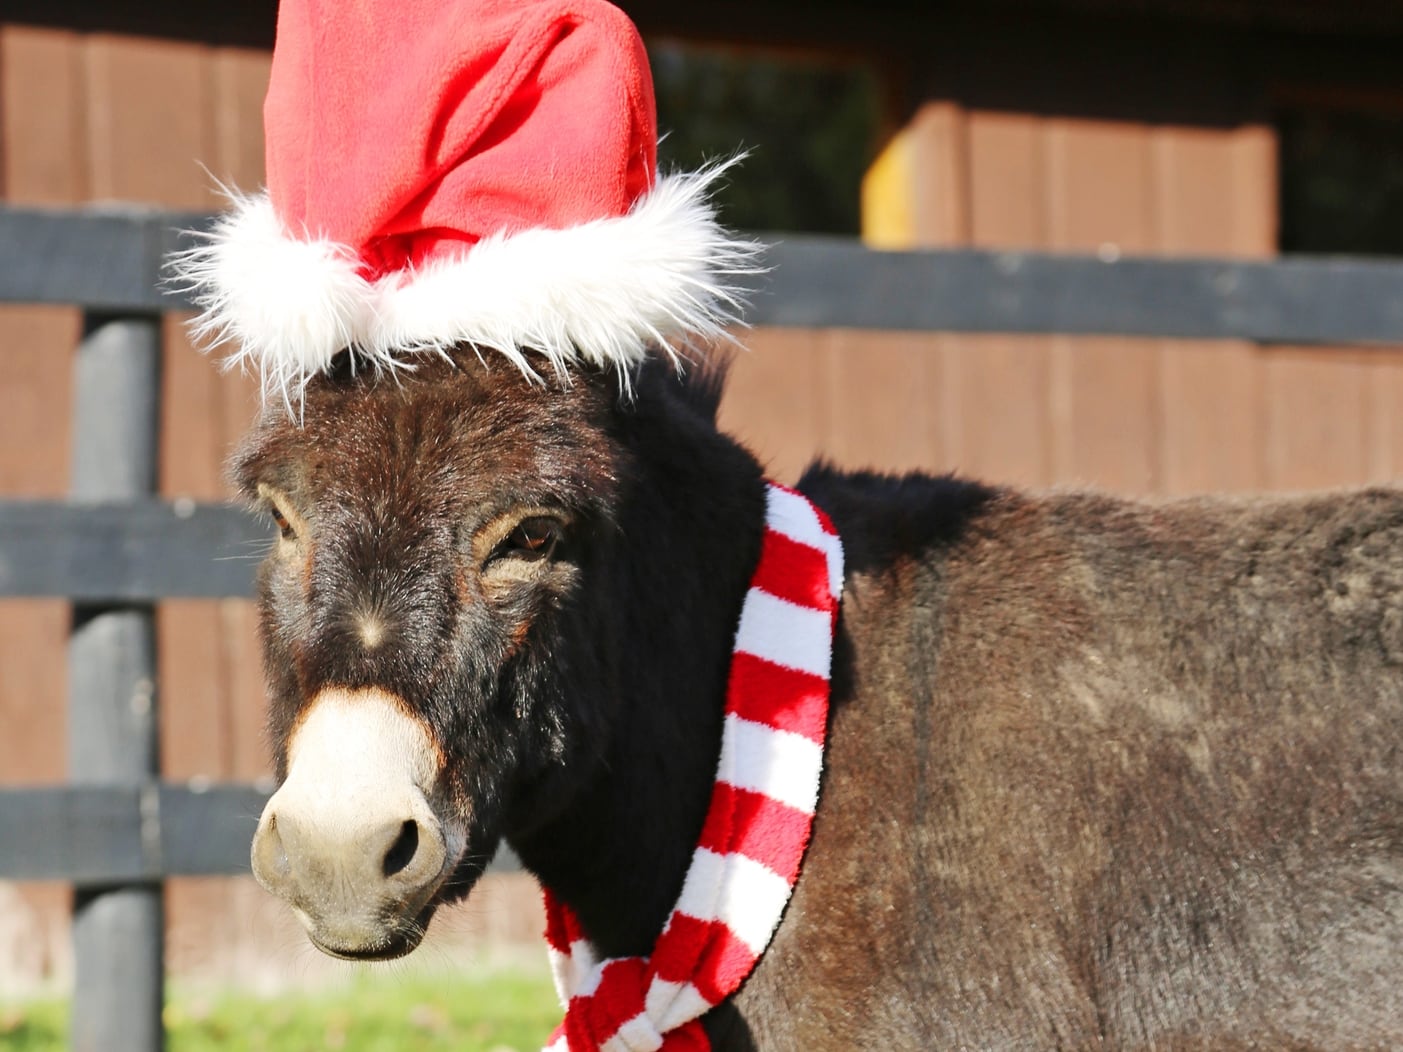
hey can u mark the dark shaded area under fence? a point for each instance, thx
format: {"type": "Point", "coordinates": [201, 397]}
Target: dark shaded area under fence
{"type": "Point", "coordinates": [112, 262]}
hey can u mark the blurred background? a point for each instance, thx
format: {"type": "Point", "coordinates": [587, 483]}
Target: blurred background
{"type": "Point", "coordinates": [1237, 128]}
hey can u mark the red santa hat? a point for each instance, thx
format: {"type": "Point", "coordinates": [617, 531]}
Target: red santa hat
{"type": "Point", "coordinates": [445, 172]}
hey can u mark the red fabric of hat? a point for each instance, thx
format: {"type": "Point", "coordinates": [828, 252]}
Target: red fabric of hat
{"type": "Point", "coordinates": [478, 172]}
{"type": "Point", "coordinates": [448, 130]}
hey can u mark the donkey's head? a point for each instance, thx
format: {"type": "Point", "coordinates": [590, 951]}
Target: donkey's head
{"type": "Point", "coordinates": [417, 611]}
{"type": "Point", "coordinates": [444, 613]}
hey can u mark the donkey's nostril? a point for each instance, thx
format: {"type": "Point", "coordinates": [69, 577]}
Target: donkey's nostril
{"type": "Point", "coordinates": [403, 850]}
{"type": "Point", "coordinates": [269, 856]}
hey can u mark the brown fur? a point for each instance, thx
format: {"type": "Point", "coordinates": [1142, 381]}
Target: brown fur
{"type": "Point", "coordinates": [1134, 771]}
{"type": "Point", "coordinates": [1101, 775]}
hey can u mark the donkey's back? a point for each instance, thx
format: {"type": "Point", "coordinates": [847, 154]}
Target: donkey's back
{"type": "Point", "coordinates": [1104, 774]}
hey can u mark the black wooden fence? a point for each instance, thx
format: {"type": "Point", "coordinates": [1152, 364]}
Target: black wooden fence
{"type": "Point", "coordinates": [114, 550]}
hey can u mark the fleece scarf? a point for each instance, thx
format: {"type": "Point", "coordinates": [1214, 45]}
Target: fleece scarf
{"type": "Point", "coordinates": [757, 826]}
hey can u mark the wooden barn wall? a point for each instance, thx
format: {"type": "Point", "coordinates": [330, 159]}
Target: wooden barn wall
{"type": "Point", "coordinates": [1139, 416]}
{"type": "Point", "coordinates": [96, 117]}
{"type": "Point", "coordinates": [104, 118]}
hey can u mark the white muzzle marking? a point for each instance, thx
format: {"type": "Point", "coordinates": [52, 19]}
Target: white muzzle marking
{"type": "Point", "coordinates": [352, 839]}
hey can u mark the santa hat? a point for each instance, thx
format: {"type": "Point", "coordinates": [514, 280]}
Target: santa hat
{"type": "Point", "coordinates": [445, 172]}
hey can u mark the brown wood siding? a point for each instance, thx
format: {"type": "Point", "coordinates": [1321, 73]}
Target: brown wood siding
{"type": "Point", "coordinates": [40, 150]}
{"type": "Point", "coordinates": [87, 117]}
{"type": "Point", "coordinates": [107, 118]}
{"type": "Point", "coordinates": [1157, 417]}
{"type": "Point", "coordinates": [1141, 416]}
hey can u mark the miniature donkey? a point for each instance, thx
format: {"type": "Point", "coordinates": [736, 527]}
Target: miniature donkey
{"type": "Point", "coordinates": [1099, 775]}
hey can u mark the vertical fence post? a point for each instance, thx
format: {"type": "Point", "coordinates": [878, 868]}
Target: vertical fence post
{"type": "Point", "coordinates": [118, 931]}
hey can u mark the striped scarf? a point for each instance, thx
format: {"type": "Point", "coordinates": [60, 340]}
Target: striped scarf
{"type": "Point", "coordinates": [757, 825]}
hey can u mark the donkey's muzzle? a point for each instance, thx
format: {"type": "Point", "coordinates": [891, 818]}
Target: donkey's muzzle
{"type": "Point", "coordinates": [351, 840]}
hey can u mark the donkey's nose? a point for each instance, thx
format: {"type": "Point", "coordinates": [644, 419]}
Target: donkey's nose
{"type": "Point", "coordinates": [359, 889]}
{"type": "Point", "coordinates": [386, 859]}
{"type": "Point", "coordinates": [350, 840]}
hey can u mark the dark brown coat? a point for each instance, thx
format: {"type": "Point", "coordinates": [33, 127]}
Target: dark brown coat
{"type": "Point", "coordinates": [1101, 774]}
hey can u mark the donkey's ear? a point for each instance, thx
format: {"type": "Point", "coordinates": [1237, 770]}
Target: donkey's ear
{"type": "Point", "coordinates": [704, 382]}
{"type": "Point", "coordinates": [696, 386]}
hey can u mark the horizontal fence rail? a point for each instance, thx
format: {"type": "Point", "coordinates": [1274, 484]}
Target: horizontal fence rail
{"type": "Point", "coordinates": [824, 283]}
{"type": "Point", "coordinates": [101, 260]}
{"type": "Point", "coordinates": [113, 261]}
{"type": "Point", "coordinates": [125, 834]}
{"type": "Point", "coordinates": [136, 552]}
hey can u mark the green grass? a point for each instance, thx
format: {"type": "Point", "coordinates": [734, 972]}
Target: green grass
{"type": "Point", "coordinates": [498, 1011]}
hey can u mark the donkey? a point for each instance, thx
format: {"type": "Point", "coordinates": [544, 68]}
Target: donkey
{"type": "Point", "coordinates": [1100, 774]}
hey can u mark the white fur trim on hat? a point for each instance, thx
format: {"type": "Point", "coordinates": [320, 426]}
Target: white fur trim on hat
{"type": "Point", "coordinates": [602, 292]}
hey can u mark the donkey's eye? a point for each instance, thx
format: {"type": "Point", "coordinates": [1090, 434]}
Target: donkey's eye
{"type": "Point", "coordinates": [284, 527]}
{"type": "Point", "coordinates": [533, 539]}
{"type": "Point", "coordinates": [281, 510]}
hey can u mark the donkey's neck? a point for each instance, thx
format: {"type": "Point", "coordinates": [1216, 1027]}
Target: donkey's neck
{"type": "Point", "coordinates": [690, 535]}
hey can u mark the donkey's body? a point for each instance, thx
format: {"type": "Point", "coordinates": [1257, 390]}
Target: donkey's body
{"type": "Point", "coordinates": [1100, 774]}
{"type": "Point", "coordinates": [1107, 775]}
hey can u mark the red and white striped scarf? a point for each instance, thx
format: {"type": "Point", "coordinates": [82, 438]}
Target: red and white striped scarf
{"type": "Point", "coordinates": [757, 826]}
